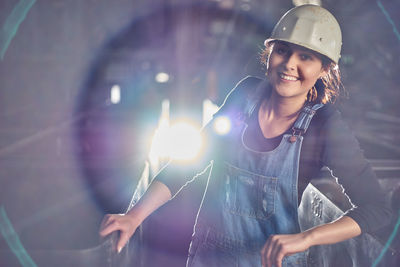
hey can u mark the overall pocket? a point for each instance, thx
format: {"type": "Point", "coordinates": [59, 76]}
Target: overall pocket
{"type": "Point", "coordinates": [249, 194]}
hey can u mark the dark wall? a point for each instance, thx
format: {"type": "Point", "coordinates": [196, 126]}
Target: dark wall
{"type": "Point", "coordinates": [67, 155]}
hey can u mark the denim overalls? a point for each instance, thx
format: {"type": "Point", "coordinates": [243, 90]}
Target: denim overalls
{"type": "Point", "coordinates": [250, 195]}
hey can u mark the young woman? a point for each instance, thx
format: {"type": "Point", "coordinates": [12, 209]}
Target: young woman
{"type": "Point", "coordinates": [284, 130]}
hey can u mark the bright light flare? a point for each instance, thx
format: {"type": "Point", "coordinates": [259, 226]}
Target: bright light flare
{"type": "Point", "coordinates": [181, 141]}
{"type": "Point", "coordinates": [162, 77]}
{"type": "Point", "coordinates": [159, 145]}
{"type": "Point", "coordinates": [209, 109]}
{"type": "Point", "coordinates": [115, 96]}
{"type": "Point", "coordinates": [185, 141]}
{"type": "Point", "coordinates": [222, 125]}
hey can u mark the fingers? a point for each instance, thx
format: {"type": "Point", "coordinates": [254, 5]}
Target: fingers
{"type": "Point", "coordinates": [123, 239]}
{"type": "Point", "coordinates": [111, 223]}
{"type": "Point", "coordinates": [277, 253]}
{"type": "Point", "coordinates": [272, 253]}
{"type": "Point", "coordinates": [107, 220]}
{"type": "Point", "coordinates": [121, 223]}
{"type": "Point", "coordinates": [109, 229]}
{"type": "Point", "coordinates": [263, 251]}
{"type": "Point", "coordinates": [265, 254]}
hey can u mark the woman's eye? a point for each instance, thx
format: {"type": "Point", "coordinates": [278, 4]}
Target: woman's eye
{"type": "Point", "coordinates": [281, 51]}
{"type": "Point", "coordinates": [305, 57]}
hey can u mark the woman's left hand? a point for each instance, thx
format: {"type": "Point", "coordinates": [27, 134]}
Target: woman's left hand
{"type": "Point", "coordinates": [279, 246]}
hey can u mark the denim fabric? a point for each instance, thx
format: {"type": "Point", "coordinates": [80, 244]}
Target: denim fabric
{"type": "Point", "coordinates": [250, 195]}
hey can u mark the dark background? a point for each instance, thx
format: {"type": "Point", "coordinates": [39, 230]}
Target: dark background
{"type": "Point", "coordinates": [68, 156]}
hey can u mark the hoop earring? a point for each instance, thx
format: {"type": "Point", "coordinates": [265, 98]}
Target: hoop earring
{"type": "Point", "coordinates": [325, 82]}
{"type": "Point", "coordinates": [312, 94]}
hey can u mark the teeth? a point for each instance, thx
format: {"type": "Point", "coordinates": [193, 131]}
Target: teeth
{"type": "Point", "coordinates": [290, 78]}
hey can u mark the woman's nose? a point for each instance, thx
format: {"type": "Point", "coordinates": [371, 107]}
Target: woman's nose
{"type": "Point", "coordinates": [290, 62]}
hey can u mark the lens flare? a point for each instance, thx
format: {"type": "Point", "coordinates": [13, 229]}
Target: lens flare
{"type": "Point", "coordinates": [181, 141]}
{"type": "Point", "coordinates": [185, 141]}
{"type": "Point", "coordinates": [222, 125]}
{"type": "Point", "coordinates": [162, 77]}
{"type": "Point", "coordinates": [115, 94]}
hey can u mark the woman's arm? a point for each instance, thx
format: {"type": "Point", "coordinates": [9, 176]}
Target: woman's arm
{"type": "Point", "coordinates": [156, 195]}
{"type": "Point", "coordinates": [279, 246]}
{"type": "Point", "coordinates": [167, 183]}
{"type": "Point", "coordinates": [342, 155]}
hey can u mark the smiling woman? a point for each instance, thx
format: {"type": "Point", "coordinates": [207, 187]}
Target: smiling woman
{"type": "Point", "coordinates": [283, 131]}
{"type": "Point", "coordinates": [328, 87]}
{"type": "Point", "coordinates": [293, 70]}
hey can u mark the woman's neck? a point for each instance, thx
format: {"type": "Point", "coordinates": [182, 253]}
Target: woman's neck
{"type": "Point", "coordinates": [279, 108]}
{"type": "Point", "coordinates": [276, 115]}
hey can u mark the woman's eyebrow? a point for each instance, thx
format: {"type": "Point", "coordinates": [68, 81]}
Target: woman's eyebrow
{"type": "Point", "coordinates": [305, 50]}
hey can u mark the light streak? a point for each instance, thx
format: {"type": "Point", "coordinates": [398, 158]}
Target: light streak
{"type": "Point", "coordinates": [13, 241]}
{"type": "Point", "coordinates": [396, 32]}
{"type": "Point", "coordinates": [11, 25]}
{"type": "Point", "coordinates": [390, 240]}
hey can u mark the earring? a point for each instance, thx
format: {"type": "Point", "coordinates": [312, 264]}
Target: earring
{"type": "Point", "coordinates": [312, 94]}
{"type": "Point", "coordinates": [325, 82]}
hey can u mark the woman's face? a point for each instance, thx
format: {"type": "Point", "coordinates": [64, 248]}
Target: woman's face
{"type": "Point", "coordinates": [293, 70]}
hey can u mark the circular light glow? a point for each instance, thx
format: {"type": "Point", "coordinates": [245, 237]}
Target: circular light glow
{"type": "Point", "coordinates": [159, 145]}
{"type": "Point", "coordinates": [162, 77]}
{"type": "Point", "coordinates": [222, 125]}
{"type": "Point", "coordinates": [185, 141]}
{"type": "Point", "coordinates": [181, 141]}
{"type": "Point", "coordinates": [115, 94]}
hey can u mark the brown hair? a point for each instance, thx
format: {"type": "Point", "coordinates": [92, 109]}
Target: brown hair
{"type": "Point", "coordinates": [328, 88]}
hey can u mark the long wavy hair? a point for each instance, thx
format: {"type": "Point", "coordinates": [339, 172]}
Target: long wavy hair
{"type": "Point", "coordinates": [327, 89]}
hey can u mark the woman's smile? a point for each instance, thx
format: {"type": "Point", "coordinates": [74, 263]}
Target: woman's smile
{"type": "Point", "coordinates": [289, 78]}
{"type": "Point", "coordinates": [293, 70]}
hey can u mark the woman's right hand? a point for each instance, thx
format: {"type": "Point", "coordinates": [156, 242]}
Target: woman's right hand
{"type": "Point", "coordinates": [125, 223]}
{"type": "Point", "coordinates": [156, 195]}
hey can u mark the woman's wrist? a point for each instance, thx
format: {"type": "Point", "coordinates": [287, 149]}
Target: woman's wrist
{"type": "Point", "coordinates": [135, 216]}
{"type": "Point", "coordinates": [342, 229]}
{"type": "Point", "coordinates": [310, 237]}
{"type": "Point", "coordinates": [314, 236]}
{"type": "Point", "coordinates": [155, 196]}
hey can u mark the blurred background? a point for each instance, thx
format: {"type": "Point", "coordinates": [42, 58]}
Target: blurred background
{"type": "Point", "coordinates": [85, 84]}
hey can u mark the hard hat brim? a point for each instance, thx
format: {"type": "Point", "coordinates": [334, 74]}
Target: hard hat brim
{"type": "Point", "coordinates": [308, 46]}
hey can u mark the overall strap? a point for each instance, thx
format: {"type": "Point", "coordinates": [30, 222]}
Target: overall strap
{"type": "Point", "coordinates": [304, 119]}
{"type": "Point", "coordinates": [253, 99]}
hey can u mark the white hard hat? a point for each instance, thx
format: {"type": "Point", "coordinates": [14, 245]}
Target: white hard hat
{"type": "Point", "coordinates": [310, 26]}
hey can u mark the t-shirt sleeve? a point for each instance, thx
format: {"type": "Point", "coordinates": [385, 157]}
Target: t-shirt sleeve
{"type": "Point", "coordinates": [245, 91]}
{"type": "Point", "coordinates": [342, 155]}
{"type": "Point", "coordinates": [176, 174]}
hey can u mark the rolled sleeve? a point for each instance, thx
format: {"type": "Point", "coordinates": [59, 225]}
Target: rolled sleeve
{"type": "Point", "coordinates": [343, 156]}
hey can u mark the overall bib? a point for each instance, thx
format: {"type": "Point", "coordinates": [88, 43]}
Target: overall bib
{"type": "Point", "coordinates": [250, 195]}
